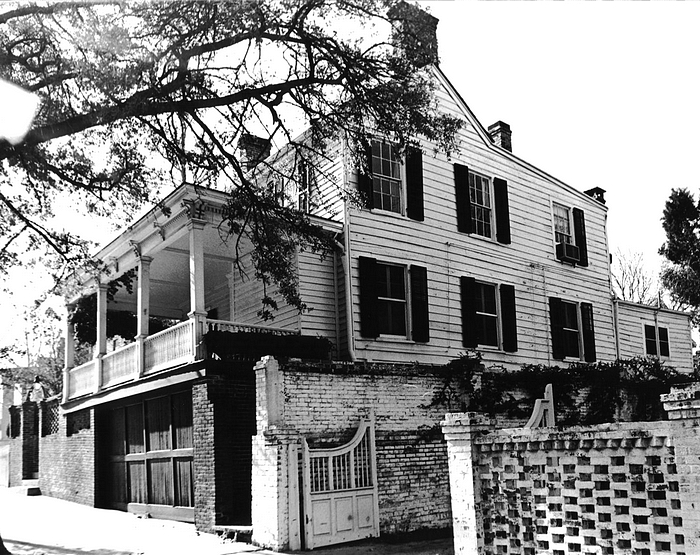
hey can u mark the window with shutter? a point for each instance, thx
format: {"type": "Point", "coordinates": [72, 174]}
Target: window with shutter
{"type": "Point", "coordinates": [488, 315]}
{"type": "Point", "coordinates": [570, 234]}
{"type": "Point", "coordinates": [390, 185]}
{"type": "Point", "coordinates": [482, 205]}
{"type": "Point", "coordinates": [573, 331]}
{"type": "Point", "coordinates": [385, 290]}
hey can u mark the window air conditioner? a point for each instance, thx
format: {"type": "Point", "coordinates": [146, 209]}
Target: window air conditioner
{"type": "Point", "coordinates": [566, 252]}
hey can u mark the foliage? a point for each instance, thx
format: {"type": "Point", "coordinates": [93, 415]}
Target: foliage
{"type": "Point", "coordinates": [120, 323]}
{"type": "Point", "coordinates": [226, 345]}
{"type": "Point", "coordinates": [627, 389]}
{"type": "Point", "coordinates": [631, 281]}
{"type": "Point", "coordinates": [137, 96]}
{"type": "Point", "coordinates": [681, 276]}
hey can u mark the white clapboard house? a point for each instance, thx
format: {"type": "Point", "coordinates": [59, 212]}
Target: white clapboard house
{"type": "Point", "coordinates": [481, 251]}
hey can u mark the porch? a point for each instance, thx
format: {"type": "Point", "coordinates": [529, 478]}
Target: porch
{"type": "Point", "coordinates": [147, 356]}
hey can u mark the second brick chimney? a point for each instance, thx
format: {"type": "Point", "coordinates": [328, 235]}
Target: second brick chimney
{"type": "Point", "coordinates": [500, 134]}
{"type": "Point", "coordinates": [252, 150]}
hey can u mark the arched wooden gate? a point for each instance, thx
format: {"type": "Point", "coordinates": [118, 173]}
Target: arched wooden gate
{"type": "Point", "coordinates": [340, 491]}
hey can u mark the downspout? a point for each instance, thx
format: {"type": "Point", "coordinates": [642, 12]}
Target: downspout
{"type": "Point", "coordinates": [616, 325]}
{"type": "Point", "coordinates": [345, 260]}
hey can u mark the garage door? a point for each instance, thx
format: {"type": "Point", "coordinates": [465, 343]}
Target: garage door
{"type": "Point", "coordinates": [146, 465]}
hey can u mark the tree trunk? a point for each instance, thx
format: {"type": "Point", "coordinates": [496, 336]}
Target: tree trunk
{"type": "Point", "coordinates": [3, 549]}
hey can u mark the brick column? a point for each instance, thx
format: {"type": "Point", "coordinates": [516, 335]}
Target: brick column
{"type": "Point", "coordinates": [223, 425]}
{"type": "Point", "coordinates": [30, 441]}
{"type": "Point", "coordinates": [460, 430]}
{"type": "Point", "coordinates": [683, 407]}
{"type": "Point", "coordinates": [275, 465]}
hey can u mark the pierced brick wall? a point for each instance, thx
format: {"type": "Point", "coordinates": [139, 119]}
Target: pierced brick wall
{"type": "Point", "coordinates": [67, 466]}
{"type": "Point", "coordinates": [613, 488]}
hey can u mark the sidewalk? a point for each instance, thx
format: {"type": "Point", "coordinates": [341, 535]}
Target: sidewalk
{"type": "Point", "coordinates": [46, 526]}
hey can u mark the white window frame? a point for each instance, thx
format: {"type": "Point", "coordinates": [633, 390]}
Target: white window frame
{"type": "Point", "coordinates": [401, 179]}
{"type": "Point", "coordinates": [579, 331]}
{"type": "Point", "coordinates": [571, 235]}
{"type": "Point", "coordinates": [657, 339]}
{"type": "Point", "coordinates": [406, 300]}
{"type": "Point", "coordinates": [474, 206]}
{"type": "Point", "coordinates": [499, 316]}
{"type": "Point", "coordinates": [304, 186]}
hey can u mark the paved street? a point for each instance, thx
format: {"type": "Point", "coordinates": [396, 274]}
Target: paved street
{"type": "Point", "coordinates": [46, 526]}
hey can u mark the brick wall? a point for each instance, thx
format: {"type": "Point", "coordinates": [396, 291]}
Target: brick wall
{"type": "Point", "coordinates": [67, 458]}
{"type": "Point", "coordinates": [324, 403]}
{"type": "Point", "coordinates": [223, 425]}
{"type": "Point", "coordinates": [16, 448]}
{"type": "Point", "coordinates": [612, 488]}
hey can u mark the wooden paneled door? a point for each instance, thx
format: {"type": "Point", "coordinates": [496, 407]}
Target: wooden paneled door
{"type": "Point", "coordinates": [340, 499]}
{"type": "Point", "coordinates": [147, 454]}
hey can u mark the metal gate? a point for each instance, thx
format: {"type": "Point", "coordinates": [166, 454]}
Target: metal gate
{"type": "Point", "coordinates": [340, 491]}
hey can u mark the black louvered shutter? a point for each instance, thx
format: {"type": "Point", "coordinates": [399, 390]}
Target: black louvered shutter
{"type": "Point", "coordinates": [589, 353]}
{"type": "Point", "coordinates": [368, 297]}
{"type": "Point", "coordinates": [500, 194]}
{"type": "Point", "coordinates": [467, 285]}
{"type": "Point", "coordinates": [414, 184]}
{"type": "Point", "coordinates": [664, 350]}
{"type": "Point", "coordinates": [420, 313]}
{"type": "Point", "coordinates": [464, 215]}
{"type": "Point", "coordinates": [364, 179]}
{"type": "Point", "coordinates": [556, 319]}
{"type": "Point", "coordinates": [509, 325]}
{"type": "Point", "coordinates": [580, 236]}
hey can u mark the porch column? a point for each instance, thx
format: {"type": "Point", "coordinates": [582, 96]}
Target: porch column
{"type": "Point", "coordinates": [198, 311]}
{"type": "Point", "coordinates": [101, 333]}
{"type": "Point", "coordinates": [69, 352]}
{"type": "Point", "coordinates": [143, 297]}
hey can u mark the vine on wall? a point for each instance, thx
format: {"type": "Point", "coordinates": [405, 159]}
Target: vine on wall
{"type": "Point", "coordinates": [584, 393]}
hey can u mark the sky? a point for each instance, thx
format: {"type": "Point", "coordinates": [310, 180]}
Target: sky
{"type": "Point", "coordinates": [597, 94]}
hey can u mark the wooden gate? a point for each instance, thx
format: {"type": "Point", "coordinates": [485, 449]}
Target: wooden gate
{"type": "Point", "coordinates": [340, 491]}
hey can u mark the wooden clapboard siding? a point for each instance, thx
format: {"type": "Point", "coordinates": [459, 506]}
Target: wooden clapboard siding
{"type": "Point", "coordinates": [528, 263]}
{"type": "Point", "coordinates": [248, 294]}
{"type": "Point", "coordinates": [317, 286]}
{"type": "Point", "coordinates": [631, 319]}
{"type": "Point", "coordinates": [219, 298]}
{"type": "Point", "coordinates": [326, 197]}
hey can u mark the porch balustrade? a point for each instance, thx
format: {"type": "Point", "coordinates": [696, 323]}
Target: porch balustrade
{"type": "Point", "coordinates": [156, 353]}
{"type": "Point", "coordinates": [117, 366]}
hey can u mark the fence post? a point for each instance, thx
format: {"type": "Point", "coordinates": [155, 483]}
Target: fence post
{"type": "Point", "coordinates": [460, 430]}
{"type": "Point", "coordinates": [683, 407]}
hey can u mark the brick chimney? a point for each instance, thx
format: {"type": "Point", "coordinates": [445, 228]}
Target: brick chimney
{"type": "Point", "coordinates": [500, 134]}
{"type": "Point", "coordinates": [415, 33]}
{"type": "Point", "coordinates": [597, 193]}
{"type": "Point", "coordinates": [252, 150]}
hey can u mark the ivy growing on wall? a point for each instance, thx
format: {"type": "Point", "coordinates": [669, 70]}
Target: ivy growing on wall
{"type": "Point", "coordinates": [584, 393]}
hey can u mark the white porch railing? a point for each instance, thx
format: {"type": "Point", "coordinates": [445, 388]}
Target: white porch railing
{"type": "Point", "coordinates": [223, 325]}
{"type": "Point", "coordinates": [81, 380]}
{"type": "Point", "coordinates": [118, 366]}
{"type": "Point", "coordinates": [169, 348]}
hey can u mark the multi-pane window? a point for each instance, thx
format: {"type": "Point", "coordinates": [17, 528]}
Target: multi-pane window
{"type": "Point", "coordinates": [573, 329]}
{"type": "Point", "coordinates": [391, 299]}
{"type": "Point", "coordinates": [304, 186]}
{"type": "Point", "coordinates": [656, 343]}
{"type": "Point", "coordinates": [480, 203]}
{"type": "Point", "coordinates": [386, 177]}
{"type": "Point", "coordinates": [562, 224]}
{"type": "Point", "coordinates": [486, 314]}
{"type": "Point", "coordinates": [570, 325]}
